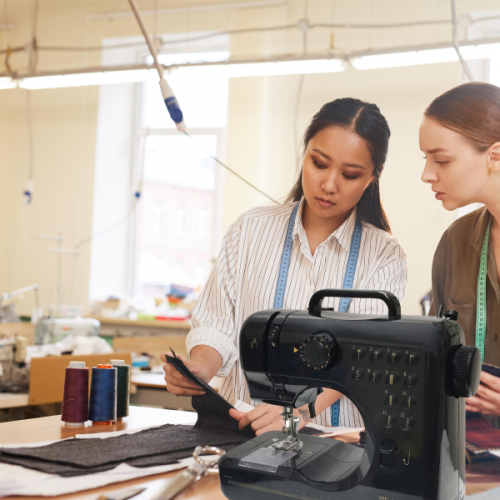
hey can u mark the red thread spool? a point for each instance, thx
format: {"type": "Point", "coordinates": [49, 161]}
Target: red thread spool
{"type": "Point", "coordinates": [107, 422]}
{"type": "Point", "coordinates": [75, 406]}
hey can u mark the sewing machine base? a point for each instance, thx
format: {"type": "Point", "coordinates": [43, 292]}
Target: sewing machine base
{"type": "Point", "coordinates": [324, 469]}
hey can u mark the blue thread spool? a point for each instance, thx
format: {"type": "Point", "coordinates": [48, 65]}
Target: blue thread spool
{"type": "Point", "coordinates": [102, 407]}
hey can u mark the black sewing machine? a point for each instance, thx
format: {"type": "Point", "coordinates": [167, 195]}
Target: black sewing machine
{"type": "Point", "coordinates": [407, 375]}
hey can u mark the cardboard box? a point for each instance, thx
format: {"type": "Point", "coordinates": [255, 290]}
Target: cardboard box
{"type": "Point", "coordinates": [47, 374]}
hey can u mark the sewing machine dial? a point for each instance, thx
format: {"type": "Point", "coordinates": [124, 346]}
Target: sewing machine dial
{"type": "Point", "coordinates": [318, 350]}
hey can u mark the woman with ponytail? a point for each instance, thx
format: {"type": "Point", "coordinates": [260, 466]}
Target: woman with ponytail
{"type": "Point", "coordinates": [333, 216]}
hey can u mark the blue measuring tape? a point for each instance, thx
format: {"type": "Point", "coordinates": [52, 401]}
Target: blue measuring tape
{"type": "Point", "coordinates": [346, 301]}
{"type": "Point", "coordinates": [279, 296]}
{"type": "Point", "coordinates": [348, 278]}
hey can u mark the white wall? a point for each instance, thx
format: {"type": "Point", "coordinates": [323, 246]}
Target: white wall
{"type": "Point", "coordinates": [260, 135]}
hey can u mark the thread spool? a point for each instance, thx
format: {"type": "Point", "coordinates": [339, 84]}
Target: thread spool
{"type": "Point", "coordinates": [75, 406]}
{"type": "Point", "coordinates": [102, 407]}
{"type": "Point", "coordinates": [123, 388]}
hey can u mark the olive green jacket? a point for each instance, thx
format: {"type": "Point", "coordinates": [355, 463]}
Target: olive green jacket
{"type": "Point", "coordinates": [455, 272]}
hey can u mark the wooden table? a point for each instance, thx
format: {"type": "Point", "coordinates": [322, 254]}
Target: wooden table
{"type": "Point", "coordinates": [51, 428]}
{"type": "Point", "coordinates": [480, 477]}
{"type": "Point", "coordinates": [11, 400]}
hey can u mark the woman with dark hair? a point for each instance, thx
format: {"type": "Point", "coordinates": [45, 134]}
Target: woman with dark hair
{"type": "Point", "coordinates": [333, 217]}
{"type": "Point", "coordinates": [460, 135]}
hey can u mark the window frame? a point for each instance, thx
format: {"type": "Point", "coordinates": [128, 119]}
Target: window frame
{"type": "Point", "coordinates": [139, 144]}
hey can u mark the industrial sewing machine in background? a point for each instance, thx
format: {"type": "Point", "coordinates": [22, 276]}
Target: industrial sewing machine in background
{"type": "Point", "coordinates": [14, 375]}
{"type": "Point", "coordinates": [408, 377]}
{"type": "Point", "coordinates": [52, 330]}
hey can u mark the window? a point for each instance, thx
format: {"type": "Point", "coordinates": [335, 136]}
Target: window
{"type": "Point", "coordinates": [203, 223]}
{"type": "Point", "coordinates": [159, 210]}
{"type": "Point", "coordinates": [138, 145]}
{"type": "Point", "coordinates": [180, 177]}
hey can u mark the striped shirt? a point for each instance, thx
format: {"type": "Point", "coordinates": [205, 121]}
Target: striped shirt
{"type": "Point", "coordinates": [243, 281]}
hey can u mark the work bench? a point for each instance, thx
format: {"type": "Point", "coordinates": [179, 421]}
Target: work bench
{"type": "Point", "coordinates": [480, 477]}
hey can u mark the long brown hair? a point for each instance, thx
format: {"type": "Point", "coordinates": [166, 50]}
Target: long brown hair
{"type": "Point", "coordinates": [472, 110]}
{"type": "Point", "coordinates": [367, 121]}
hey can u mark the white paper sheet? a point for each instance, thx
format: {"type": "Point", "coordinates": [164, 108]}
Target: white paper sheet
{"type": "Point", "coordinates": [493, 494]}
{"type": "Point", "coordinates": [15, 480]}
{"type": "Point", "coordinates": [330, 431]}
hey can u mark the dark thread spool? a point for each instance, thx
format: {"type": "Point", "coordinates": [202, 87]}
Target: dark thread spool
{"type": "Point", "coordinates": [123, 388]}
{"type": "Point", "coordinates": [75, 405]}
{"type": "Point", "coordinates": [102, 407]}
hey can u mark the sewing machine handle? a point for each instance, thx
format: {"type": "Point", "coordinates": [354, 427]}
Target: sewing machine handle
{"type": "Point", "coordinates": [389, 298]}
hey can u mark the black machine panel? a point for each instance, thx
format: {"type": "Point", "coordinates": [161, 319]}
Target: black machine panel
{"type": "Point", "coordinates": [405, 374]}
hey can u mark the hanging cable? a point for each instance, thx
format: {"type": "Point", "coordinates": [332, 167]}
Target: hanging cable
{"type": "Point", "coordinates": [171, 101]}
{"type": "Point", "coordinates": [28, 191]}
{"type": "Point", "coordinates": [465, 66]}
{"type": "Point", "coordinates": [33, 52]}
{"type": "Point", "coordinates": [105, 231]}
{"type": "Point", "coordinates": [243, 31]}
{"type": "Point", "coordinates": [304, 26]}
{"type": "Point", "coordinates": [232, 171]}
{"type": "Point", "coordinates": [168, 94]}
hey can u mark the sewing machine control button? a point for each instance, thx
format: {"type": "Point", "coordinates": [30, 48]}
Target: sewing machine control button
{"type": "Point", "coordinates": [407, 423]}
{"type": "Point", "coordinates": [411, 380]}
{"type": "Point", "coordinates": [357, 374]}
{"type": "Point", "coordinates": [390, 421]}
{"type": "Point", "coordinates": [317, 351]}
{"type": "Point", "coordinates": [409, 402]}
{"type": "Point", "coordinates": [412, 359]}
{"type": "Point", "coordinates": [391, 400]}
{"type": "Point", "coordinates": [387, 457]}
{"type": "Point", "coordinates": [388, 446]}
{"type": "Point", "coordinates": [376, 355]}
{"type": "Point", "coordinates": [394, 357]}
{"type": "Point", "coordinates": [374, 376]}
{"type": "Point", "coordinates": [358, 353]}
{"type": "Point", "coordinates": [392, 378]}
{"type": "Point", "coordinates": [273, 336]}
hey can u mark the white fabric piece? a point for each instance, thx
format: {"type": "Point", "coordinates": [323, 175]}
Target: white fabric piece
{"type": "Point", "coordinates": [82, 346]}
{"type": "Point", "coordinates": [15, 480]}
{"type": "Point", "coordinates": [41, 351]}
{"type": "Point", "coordinates": [243, 281]}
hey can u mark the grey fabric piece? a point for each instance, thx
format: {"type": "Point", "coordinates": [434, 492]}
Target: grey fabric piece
{"type": "Point", "coordinates": [212, 408]}
{"type": "Point", "coordinates": [150, 447]}
{"type": "Point", "coordinates": [155, 441]}
{"type": "Point", "coordinates": [51, 461]}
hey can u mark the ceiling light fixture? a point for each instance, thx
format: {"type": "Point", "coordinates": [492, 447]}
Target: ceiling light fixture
{"type": "Point", "coordinates": [85, 79]}
{"type": "Point", "coordinates": [313, 64]}
{"type": "Point", "coordinates": [6, 82]}
{"type": "Point", "coordinates": [429, 56]}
